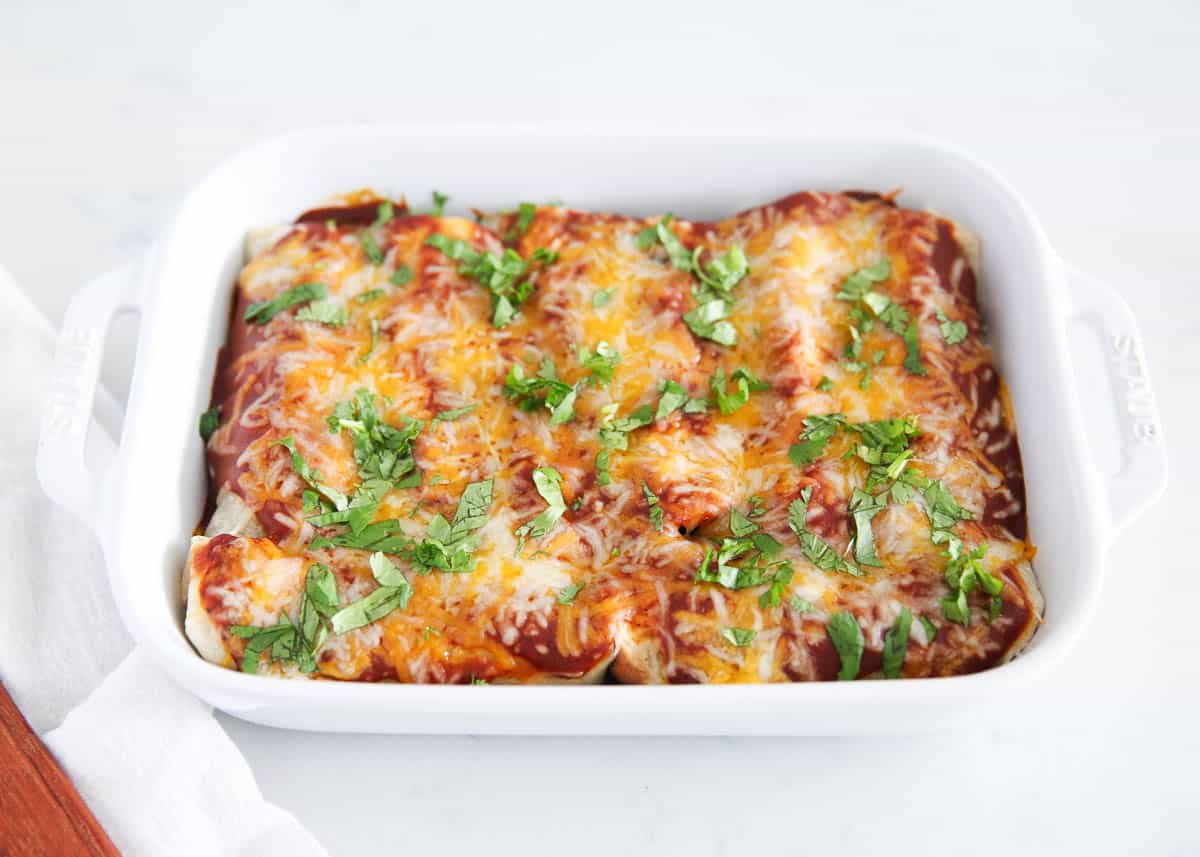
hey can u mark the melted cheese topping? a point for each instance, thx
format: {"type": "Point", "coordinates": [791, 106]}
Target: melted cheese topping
{"type": "Point", "coordinates": [640, 616]}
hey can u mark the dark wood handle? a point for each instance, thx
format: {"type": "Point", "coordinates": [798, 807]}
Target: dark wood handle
{"type": "Point", "coordinates": [40, 811]}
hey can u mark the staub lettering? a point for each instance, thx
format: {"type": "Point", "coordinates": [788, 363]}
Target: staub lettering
{"type": "Point", "coordinates": [75, 349]}
{"type": "Point", "coordinates": [1135, 392]}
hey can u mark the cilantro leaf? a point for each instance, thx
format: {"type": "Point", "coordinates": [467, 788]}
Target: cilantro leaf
{"type": "Point", "coordinates": [818, 431]}
{"type": "Point", "coordinates": [815, 549]}
{"type": "Point", "coordinates": [557, 396]}
{"type": "Point", "coordinates": [847, 639]}
{"type": "Point", "coordinates": [895, 644]}
{"type": "Point", "coordinates": [321, 589]}
{"type": "Point", "coordinates": [801, 605]}
{"type": "Point", "coordinates": [740, 637]}
{"type": "Point", "coordinates": [371, 247]}
{"type": "Point", "coordinates": [941, 508]}
{"type": "Point", "coordinates": [567, 594]}
{"type": "Point", "coordinates": [439, 203]}
{"type": "Point", "coordinates": [366, 355]}
{"type": "Point", "coordinates": [825, 384]}
{"type": "Point", "coordinates": [723, 273]}
{"type": "Point", "coordinates": [856, 286]}
{"type": "Point", "coordinates": [864, 507]}
{"type": "Point", "coordinates": [264, 311]}
{"type": "Point", "coordinates": [674, 397]}
{"type": "Point", "coordinates": [656, 512]}
{"type": "Point", "coordinates": [548, 482]}
{"type": "Point", "coordinates": [912, 344]}
{"type": "Point", "coordinates": [288, 641]}
{"type": "Point", "coordinates": [262, 639]}
{"type": "Point", "coordinates": [601, 363]}
{"type": "Point", "coordinates": [368, 296]}
{"type": "Point", "coordinates": [931, 630]}
{"type": "Point", "coordinates": [746, 383]}
{"type": "Point", "coordinates": [209, 421]}
{"type": "Point", "coordinates": [313, 477]}
{"type": "Point", "coordinates": [614, 435]}
{"type": "Point", "coordinates": [449, 545]}
{"type": "Point", "coordinates": [323, 312]}
{"type": "Point", "coordinates": [707, 321]}
{"type": "Point", "coordinates": [662, 233]}
{"type": "Point", "coordinates": [402, 276]}
{"type": "Point", "coordinates": [502, 275]}
{"type": "Point", "coordinates": [773, 597]}
{"type": "Point", "coordinates": [601, 298]}
{"type": "Point", "coordinates": [371, 608]}
{"type": "Point", "coordinates": [455, 413]}
{"type": "Point", "coordinates": [953, 332]}
{"type": "Point", "coordinates": [757, 547]}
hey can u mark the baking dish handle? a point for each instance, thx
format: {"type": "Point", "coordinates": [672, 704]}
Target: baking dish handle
{"type": "Point", "coordinates": [72, 462]}
{"type": "Point", "coordinates": [1142, 476]}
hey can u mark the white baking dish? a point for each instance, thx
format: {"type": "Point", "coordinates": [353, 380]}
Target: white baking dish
{"type": "Point", "coordinates": [145, 501]}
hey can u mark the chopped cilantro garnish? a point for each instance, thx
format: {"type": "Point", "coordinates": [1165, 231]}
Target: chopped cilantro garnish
{"type": "Point", "coordinates": [953, 332]}
{"type": "Point", "coordinates": [601, 298]}
{"type": "Point", "coordinates": [801, 605]}
{"type": "Point", "coordinates": [674, 397]}
{"type": "Point", "coordinates": [614, 435]}
{"type": "Point", "coordinates": [856, 286]}
{"type": "Point", "coordinates": [449, 545]}
{"type": "Point", "coordinates": [393, 593]}
{"type": "Point", "coordinates": [864, 507]}
{"type": "Point", "coordinates": [369, 296]}
{"type": "Point", "coordinates": [847, 639]}
{"type": "Point", "coordinates": [371, 247]}
{"type": "Point", "coordinates": [740, 637]}
{"type": "Point", "coordinates": [366, 355]}
{"type": "Point", "coordinates": [526, 211]}
{"type": "Point", "coordinates": [439, 203]}
{"type": "Point", "coordinates": [402, 276]}
{"type": "Point", "coordinates": [329, 497]}
{"type": "Point", "coordinates": [543, 389]}
{"type": "Point", "coordinates": [773, 597]}
{"type": "Point", "coordinates": [818, 431]}
{"type": "Point", "coordinates": [931, 630]}
{"type": "Point", "coordinates": [815, 549]}
{"type": "Point", "coordinates": [759, 548]}
{"type": "Point", "coordinates": [548, 482]}
{"type": "Point", "coordinates": [601, 363]}
{"type": "Point", "coordinates": [656, 512]}
{"type": "Point", "coordinates": [716, 280]}
{"type": "Point", "coordinates": [912, 345]}
{"type": "Point", "coordinates": [745, 383]}
{"type": "Point", "coordinates": [708, 322]}
{"type": "Point", "coordinates": [502, 275]}
{"type": "Point", "coordinates": [661, 233]}
{"type": "Point", "coordinates": [298, 641]}
{"type": "Point", "coordinates": [323, 312]}
{"type": "Point", "coordinates": [825, 385]}
{"type": "Point", "coordinates": [567, 594]}
{"type": "Point", "coordinates": [385, 461]}
{"type": "Point", "coordinates": [455, 413]}
{"type": "Point", "coordinates": [857, 290]}
{"type": "Point", "coordinates": [895, 644]}
{"type": "Point", "coordinates": [264, 311]}
{"type": "Point", "coordinates": [209, 421]}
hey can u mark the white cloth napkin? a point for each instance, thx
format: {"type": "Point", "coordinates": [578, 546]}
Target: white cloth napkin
{"type": "Point", "coordinates": [150, 760]}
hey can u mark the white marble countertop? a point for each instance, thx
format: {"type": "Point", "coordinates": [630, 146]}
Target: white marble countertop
{"type": "Point", "coordinates": [108, 112]}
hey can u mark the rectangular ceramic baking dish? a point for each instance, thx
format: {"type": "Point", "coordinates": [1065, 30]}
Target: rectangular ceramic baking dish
{"type": "Point", "coordinates": [144, 499]}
